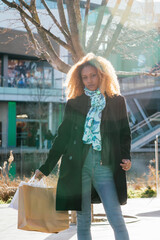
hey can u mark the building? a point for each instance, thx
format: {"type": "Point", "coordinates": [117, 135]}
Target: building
{"type": "Point", "coordinates": [32, 98]}
{"type": "Point", "coordinates": [30, 94]}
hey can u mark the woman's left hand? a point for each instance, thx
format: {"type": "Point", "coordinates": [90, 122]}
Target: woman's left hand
{"type": "Point", "coordinates": [126, 164]}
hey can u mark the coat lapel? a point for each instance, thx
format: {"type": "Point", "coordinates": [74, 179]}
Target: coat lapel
{"type": "Point", "coordinates": [81, 104]}
{"type": "Point", "coordinates": [105, 111]}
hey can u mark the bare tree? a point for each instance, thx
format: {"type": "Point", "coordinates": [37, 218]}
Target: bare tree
{"type": "Point", "coordinates": [108, 32]}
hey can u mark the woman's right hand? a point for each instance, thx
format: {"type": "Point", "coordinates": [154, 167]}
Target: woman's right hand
{"type": "Point", "coordinates": [38, 174]}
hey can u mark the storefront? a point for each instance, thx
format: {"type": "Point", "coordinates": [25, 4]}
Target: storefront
{"type": "Point", "coordinates": [31, 124]}
{"type": "Point", "coordinates": [19, 66]}
{"type": "Point", "coordinates": [31, 93]}
{"type": "Point", "coordinates": [29, 73]}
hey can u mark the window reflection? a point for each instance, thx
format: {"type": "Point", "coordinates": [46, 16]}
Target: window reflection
{"type": "Point", "coordinates": [31, 124]}
{"type": "Point", "coordinates": [29, 74]}
{"type": "Point", "coordinates": [48, 77]}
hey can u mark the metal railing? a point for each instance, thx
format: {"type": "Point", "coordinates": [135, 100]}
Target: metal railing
{"type": "Point", "coordinates": [151, 119]}
{"type": "Point", "coordinates": [126, 84]}
{"type": "Point", "coordinates": [141, 131]}
{"type": "Point", "coordinates": [139, 82]}
{"type": "Point", "coordinates": [29, 83]}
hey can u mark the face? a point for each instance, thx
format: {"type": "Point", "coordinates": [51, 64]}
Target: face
{"type": "Point", "coordinates": [90, 78]}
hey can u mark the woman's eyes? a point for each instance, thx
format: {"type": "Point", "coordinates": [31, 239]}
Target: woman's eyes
{"type": "Point", "coordinates": [94, 75]}
{"type": "Point", "coordinates": [85, 77]}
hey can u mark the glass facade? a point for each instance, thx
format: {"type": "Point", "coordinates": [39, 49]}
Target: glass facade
{"type": "Point", "coordinates": [31, 124]}
{"type": "Point", "coordinates": [30, 133]}
{"type": "Point", "coordinates": [32, 110]}
{"type": "Point", "coordinates": [29, 74]}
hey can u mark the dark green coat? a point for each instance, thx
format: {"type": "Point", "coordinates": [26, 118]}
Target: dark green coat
{"type": "Point", "coordinates": [68, 144]}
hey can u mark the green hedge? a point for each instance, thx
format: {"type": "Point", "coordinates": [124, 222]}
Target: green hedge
{"type": "Point", "coordinates": [141, 193]}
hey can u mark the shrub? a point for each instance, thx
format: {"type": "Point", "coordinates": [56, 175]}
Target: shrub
{"type": "Point", "coordinates": [8, 188]}
{"type": "Point", "coordinates": [144, 187]}
{"type": "Point", "coordinates": [148, 193]}
{"type": "Point", "coordinates": [141, 193]}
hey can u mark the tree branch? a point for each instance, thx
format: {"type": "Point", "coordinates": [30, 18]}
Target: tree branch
{"type": "Point", "coordinates": [62, 16]}
{"type": "Point", "coordinates": [30, 34]}
{"type": "Point", "coordinates": [23, 3]}
{"type": "Point", "coordinates": [87, 7]}
{"type": "Point", "coordinates": [97, 27]}
{"type": "Point", "coordinates": [67, 37]}
{"type": "Point", "coordinates": [77, 11]}
{"type": "Point", "coordinates": [118, 29]}
{"type": "Point", "coordinates": [74, 29]}
{"type": "Point", "coordinates": [104, 32]}
{"type": "Point", "coordinates": [62, 66]}
{"type": "Point", "coordinates": [55, 20]}
{"type": "Point", "coordinates": [65, 27]}
{"type": "Point", "coordinates": [78, 17]}
{"type": "Point", "coordinates": [38, 25]}
{"type": "Point", "coordinates": [36, 46]}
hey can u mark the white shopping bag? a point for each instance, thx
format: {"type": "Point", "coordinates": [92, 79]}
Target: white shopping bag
{"type": "Point", "coordinates": [32, 182]}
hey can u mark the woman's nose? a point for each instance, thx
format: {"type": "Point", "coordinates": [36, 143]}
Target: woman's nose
{"type": "Point", "coordinates": [89, 80]}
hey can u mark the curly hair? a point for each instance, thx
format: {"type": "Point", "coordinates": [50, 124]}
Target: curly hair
{"type": "Point", "coordinates": [108, 79]}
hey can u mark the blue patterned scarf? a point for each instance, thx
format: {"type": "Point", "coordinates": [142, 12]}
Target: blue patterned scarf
{"type": "Point", "coordinates": [92, 133]}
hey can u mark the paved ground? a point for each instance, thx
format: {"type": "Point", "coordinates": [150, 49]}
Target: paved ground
{"type": "Point", "coordinates": [142, 217]}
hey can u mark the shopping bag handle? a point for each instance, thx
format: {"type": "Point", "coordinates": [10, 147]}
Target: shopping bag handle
{"type": "Point", "coordinates": [33, 179]}
{"type": "Point", "coordinates": [35, 182]}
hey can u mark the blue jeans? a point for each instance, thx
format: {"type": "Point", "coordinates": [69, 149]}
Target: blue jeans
{"type": "Point", "coordinates": [102, 179]}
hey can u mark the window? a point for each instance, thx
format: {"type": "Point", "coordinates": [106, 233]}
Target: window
{"type": "Point", "coordinates": [31, 124]}
{"type": "Point", "coordinates": [26, 133]}
{"type": "Point", "coordinates": [32, 110]}
{"type": "Point", "coordinates": [29, 74]}
{"type": "Point", "coordinates": [48, 76]}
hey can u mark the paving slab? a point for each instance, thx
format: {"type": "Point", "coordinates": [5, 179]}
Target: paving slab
{"type": "Point", "coordinates": [142, 217]}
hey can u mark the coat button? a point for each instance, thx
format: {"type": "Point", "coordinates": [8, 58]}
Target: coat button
{"type": "Point", "coordinates": [70, 157]}
{"type": "Point", "coordinates": [76, 127]}
{"type": "Point", "coordinates": [100, 162]}
{"type": "Point", "coordinates": [74, 142]}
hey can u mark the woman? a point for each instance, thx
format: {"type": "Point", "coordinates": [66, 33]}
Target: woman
{"type": "Point", "coordinates": [94, 142]}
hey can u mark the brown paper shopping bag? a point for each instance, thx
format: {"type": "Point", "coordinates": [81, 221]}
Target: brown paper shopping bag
{"type": "Point", "coordinates": [36, 210]}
